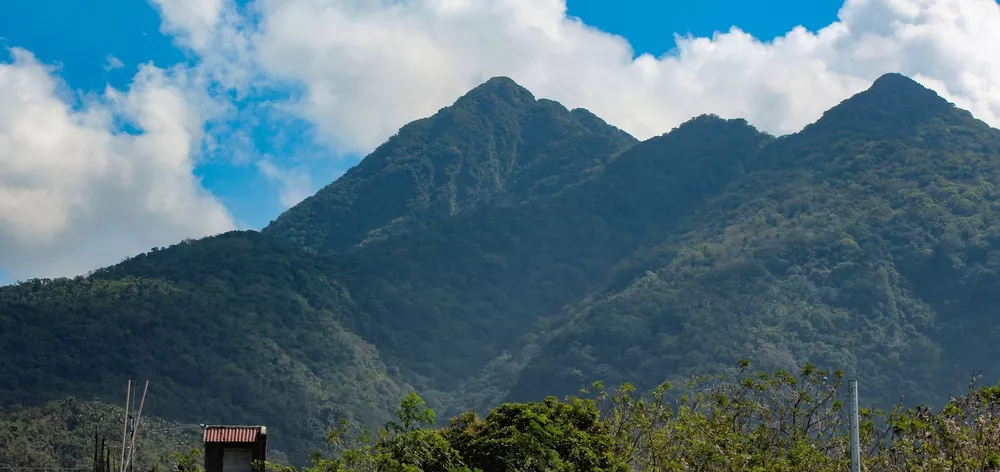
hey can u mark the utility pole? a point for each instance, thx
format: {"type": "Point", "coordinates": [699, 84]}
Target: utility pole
{"type": "Point", "coordinates": [128, 397]}
{"type": "Point", "coordinates": [855, 428]}
{"type": "Point", "coordinates": [135, 421]}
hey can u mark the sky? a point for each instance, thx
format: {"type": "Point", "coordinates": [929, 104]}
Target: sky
{"type": "Point", "coordinates": [132, 124]}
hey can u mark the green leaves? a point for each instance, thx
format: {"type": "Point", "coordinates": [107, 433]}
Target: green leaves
{"type": "Point", "coordinates": [756, 421]}
{"type": "Point", "coordinates": [545, 436]}
{"type": "Point", "coordinates": [412, 413]}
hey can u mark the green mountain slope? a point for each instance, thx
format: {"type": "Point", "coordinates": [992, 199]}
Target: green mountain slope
{"type": "Point", "coordinates": [868, 241]}
{"type": "Point", "coordinates": [443, 302]}
{"type": "Point", "coordinates": [236, 328]}
{"type": "Point", "coordinates": [496, 146]}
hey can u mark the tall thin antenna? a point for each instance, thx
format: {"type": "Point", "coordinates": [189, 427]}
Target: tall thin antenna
{"type": "Point", "coordinates": [131, 447]}
{"type": "Point", "coordinates": [855, 429]}
{"type": "Point", "coordinates": [128, 396]}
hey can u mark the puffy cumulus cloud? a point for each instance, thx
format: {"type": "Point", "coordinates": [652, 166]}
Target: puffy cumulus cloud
{"type": "Point", "coordinates": [76, 193]}
{"type": "Point", "coordinates": [220, 35]}
{"type": "Point", "coordinates": [367, 67]}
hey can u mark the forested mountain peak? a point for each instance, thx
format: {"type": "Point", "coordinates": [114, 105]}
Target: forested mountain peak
{"type": "Point", "coordinates": [893, 114]}
{"type": "Point", "coordinates": [495, 146]}
{"type": "Point", "coordinates": [894, 106]}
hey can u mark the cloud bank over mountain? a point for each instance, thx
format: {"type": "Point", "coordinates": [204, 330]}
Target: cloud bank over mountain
{"type": "Point", "coordinates": [366, 68]}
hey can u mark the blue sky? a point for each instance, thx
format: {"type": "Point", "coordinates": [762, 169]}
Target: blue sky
{"type": "Point", "coordinates": [80, 35]}
{"type": "Point", "coordinates": [649, 24]}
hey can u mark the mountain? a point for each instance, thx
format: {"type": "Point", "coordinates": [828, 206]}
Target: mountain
{"type": "Point", "coordinates": [507, 249]}
{"type": "Point", "coordinates": [496, 146]}
{"type": "Point", "coordinates": [485, 279]}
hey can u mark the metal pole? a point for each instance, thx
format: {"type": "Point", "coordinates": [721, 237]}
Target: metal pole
{"type": "Point", "coordinates": [855, 429]}
{"type": "Point", "coordinates": [138, 419]}
{"type": "Point", "coordinates": [128, 397]}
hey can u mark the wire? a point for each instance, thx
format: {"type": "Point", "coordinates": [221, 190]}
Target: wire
{"type": "Point", "coordinates": [173, 428]}
{"type": "Point", "coordinates": [43, 468]}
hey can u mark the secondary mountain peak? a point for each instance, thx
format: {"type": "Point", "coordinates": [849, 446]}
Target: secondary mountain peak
{"type": "Point", "coordinates": [894, 106]}
{"type": "Point", "coordinates": [894, 90]}
{"type": "Point", "coordinates": [894, 109]}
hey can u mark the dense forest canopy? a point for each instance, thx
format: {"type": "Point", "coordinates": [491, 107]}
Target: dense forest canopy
{"type": "Point", "coordinates": [507, 249]}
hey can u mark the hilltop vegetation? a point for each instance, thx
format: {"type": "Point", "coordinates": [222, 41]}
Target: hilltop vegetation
{"type": "Point", "coordinates": [508, 249]}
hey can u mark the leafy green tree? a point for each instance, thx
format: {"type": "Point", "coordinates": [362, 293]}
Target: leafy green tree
{"type": "Point", "coordinates": [544, 436]}
{"type": "Point", "coordinates": [402, 445]}
{"type": "Point", "coordinates": [190, 461]}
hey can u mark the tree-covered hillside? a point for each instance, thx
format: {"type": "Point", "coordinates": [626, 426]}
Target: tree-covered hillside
{"type": "Point", "coordinates": [237, 328]}
{"type": "Point", "coordinates": [868, 240]}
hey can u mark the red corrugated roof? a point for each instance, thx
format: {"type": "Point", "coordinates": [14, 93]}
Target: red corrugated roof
{"type": "Point", "coordinates": [231, 434]}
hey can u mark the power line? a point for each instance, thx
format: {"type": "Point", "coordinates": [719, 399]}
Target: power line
{"type": "Point", "coordinates": [44, 468]}
{"type": "Point", "coordinates": [173, 428]}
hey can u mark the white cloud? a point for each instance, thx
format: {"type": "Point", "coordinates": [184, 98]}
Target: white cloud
{"type": "Point", "coordinates": [75, 193]}
{"type": "Point", "coordinates": [194, 20]}
{"type": "Point", "coordinates": [111, 63]}
{"type": "Point", "coordinates": [367, 67]}
{"type": "Point", "coordinates": [295, 184]}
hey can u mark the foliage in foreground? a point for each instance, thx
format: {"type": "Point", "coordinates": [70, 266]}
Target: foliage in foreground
{"type": "Point", "coordinates": [61, 435]}
{"type": "Point", "coordinates": [753, 422]}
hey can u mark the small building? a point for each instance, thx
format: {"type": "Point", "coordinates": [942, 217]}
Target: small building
{"type": "Point", "coordinates": [234, 448]}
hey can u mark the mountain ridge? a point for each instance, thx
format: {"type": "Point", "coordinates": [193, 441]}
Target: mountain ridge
{"type": "Point", "coordinates": [844, 228]}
